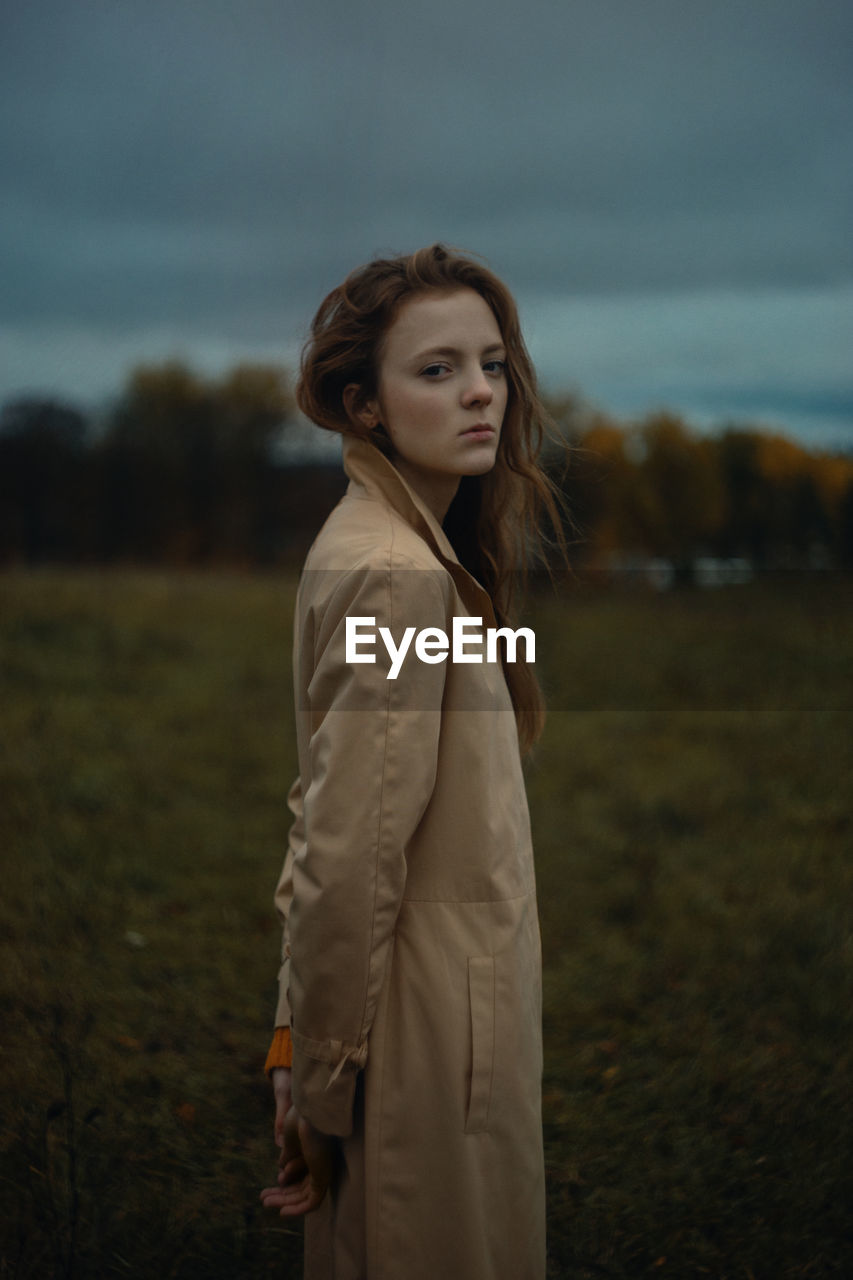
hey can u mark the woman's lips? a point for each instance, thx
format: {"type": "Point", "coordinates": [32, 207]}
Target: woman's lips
{"type": "Point", "coordinates": [480, 431]}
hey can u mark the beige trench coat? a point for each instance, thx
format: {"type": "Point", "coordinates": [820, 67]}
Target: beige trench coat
{"type": "Point", "coordinates": [411, 974]}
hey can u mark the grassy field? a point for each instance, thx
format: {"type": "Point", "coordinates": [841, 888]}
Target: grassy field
{"type": "Point", "coordinates": [692, 819]}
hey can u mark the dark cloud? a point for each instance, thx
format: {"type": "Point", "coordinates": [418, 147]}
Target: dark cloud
{"type": "Point", "coordinates": [213, 169]}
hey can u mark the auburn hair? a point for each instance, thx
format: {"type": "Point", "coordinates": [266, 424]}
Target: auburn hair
{"type": "Point", "coordinates": [494, 521]}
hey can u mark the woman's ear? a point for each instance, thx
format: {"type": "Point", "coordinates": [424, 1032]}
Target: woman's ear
{"type": "Point", "coordinates": [362, 411]}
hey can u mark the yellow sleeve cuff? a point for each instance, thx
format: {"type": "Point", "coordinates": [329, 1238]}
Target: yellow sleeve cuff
{"type": "Point", "coordinates": [281, 1050]}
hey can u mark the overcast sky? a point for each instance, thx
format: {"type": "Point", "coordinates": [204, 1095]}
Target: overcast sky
{"type": "Point", "coordinates": [666, 186]}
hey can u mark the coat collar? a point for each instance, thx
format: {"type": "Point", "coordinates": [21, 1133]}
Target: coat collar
{"type": "Point", "coordinates": [370, 471]}
{"type": "Point", "coordinates": [371, 474]}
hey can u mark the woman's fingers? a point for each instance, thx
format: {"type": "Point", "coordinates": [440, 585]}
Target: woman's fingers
{"type": "Point", "coordinates": [306, 1166]}
{"type": "Point", "coordinates": [291, 1201]}
{"type": "Point", "coordinates": [291, 1172]}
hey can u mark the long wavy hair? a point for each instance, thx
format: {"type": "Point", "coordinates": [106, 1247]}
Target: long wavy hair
{"type": "Point", "coordinates": [495, 520]}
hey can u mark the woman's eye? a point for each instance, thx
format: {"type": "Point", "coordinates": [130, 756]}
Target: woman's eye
{"type": "Point", "coordinates": [433, 370]}
{"type": "Point", "coordinates": [495, 366]}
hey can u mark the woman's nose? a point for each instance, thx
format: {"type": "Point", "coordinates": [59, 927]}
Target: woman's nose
{"type": "Point", "coordinates": [478, 389]}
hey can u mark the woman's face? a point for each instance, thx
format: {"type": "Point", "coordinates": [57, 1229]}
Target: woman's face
{"type": "Point", "coordinates": [442, 392]}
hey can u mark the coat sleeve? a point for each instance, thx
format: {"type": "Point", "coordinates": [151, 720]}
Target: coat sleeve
{"type": "Point", "coordinates": [284, 897]}
{"type": "Point", "coordinates": [370, 748]}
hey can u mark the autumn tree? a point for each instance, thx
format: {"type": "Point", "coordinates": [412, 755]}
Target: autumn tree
{"type": "Point", "coordinates": [42, 463]}
{"type": "Point", "coordinates": [677, 501]}
{"type": "Point", "coordinates": [798, 518]}
{"type": "Point", "coordinates": [185, 470]}
{"type": "Point", "coordinates": [184, 462]}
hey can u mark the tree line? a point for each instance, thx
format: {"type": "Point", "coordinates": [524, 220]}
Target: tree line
{"type": "Point", "coordinates": [188, 470]}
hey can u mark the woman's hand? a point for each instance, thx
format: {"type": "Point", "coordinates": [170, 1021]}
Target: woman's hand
{"type": "Point", "coordinates": [307, 1156]}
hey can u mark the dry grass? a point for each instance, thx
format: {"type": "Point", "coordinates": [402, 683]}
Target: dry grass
{"type": "Point", "coordinates": [692, 821]}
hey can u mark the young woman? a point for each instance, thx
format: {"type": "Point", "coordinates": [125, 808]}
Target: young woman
{"type": "Point", "coordinates": [407, 1060]}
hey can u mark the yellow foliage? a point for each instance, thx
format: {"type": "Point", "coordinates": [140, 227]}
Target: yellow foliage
{"type": "Point", "coordinates": [606, 440]}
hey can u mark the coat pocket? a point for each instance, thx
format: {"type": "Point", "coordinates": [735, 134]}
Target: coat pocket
{"type": "Point", "coordinates": [481, 992]}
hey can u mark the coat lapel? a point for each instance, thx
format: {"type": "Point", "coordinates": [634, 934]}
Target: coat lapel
{"type": "Point", "coordinates": [371, 474]}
